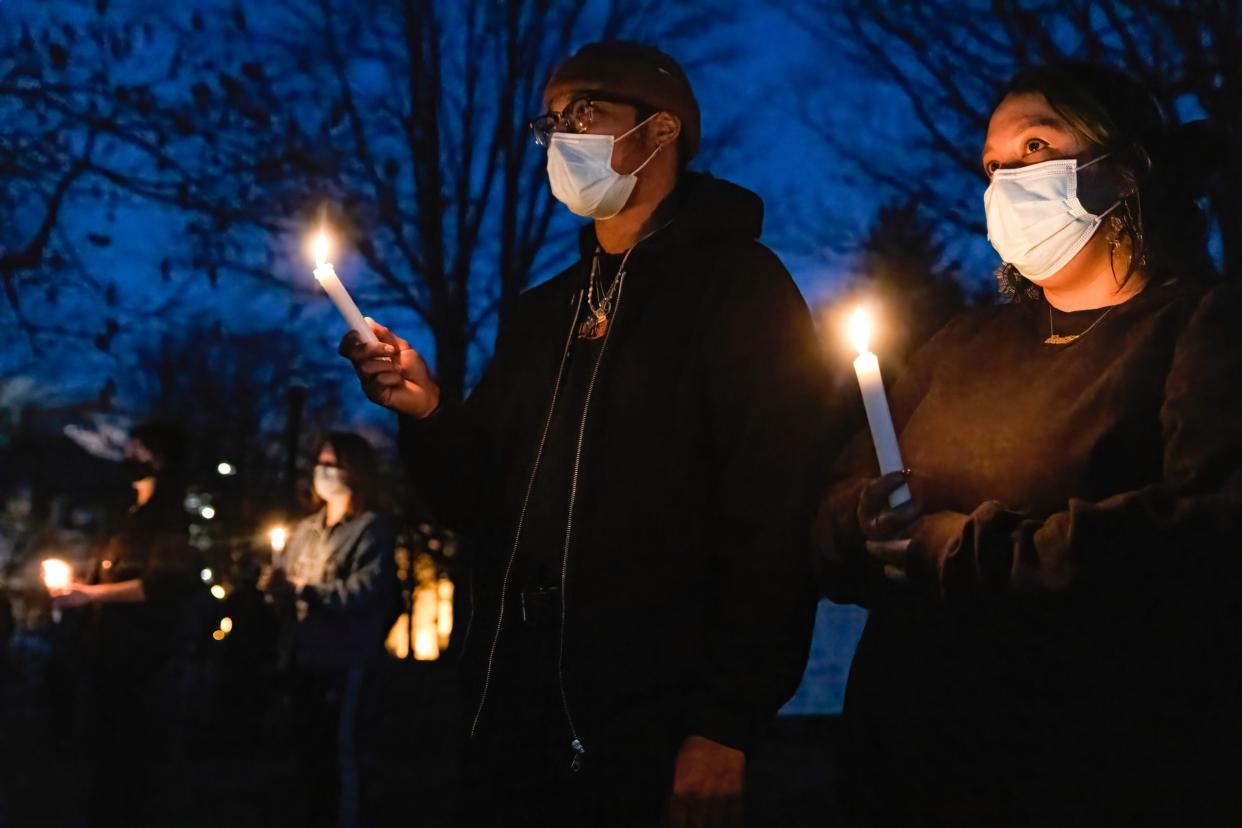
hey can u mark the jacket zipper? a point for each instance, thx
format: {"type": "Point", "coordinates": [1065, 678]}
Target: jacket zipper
{"type": "Point", "coordinates": [517, 535]}
{"type": "Point", "coordinates": [576, 744]}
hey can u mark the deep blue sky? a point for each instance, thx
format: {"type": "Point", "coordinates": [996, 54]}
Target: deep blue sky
{"type": "Point", "coordinates": [816, 204]}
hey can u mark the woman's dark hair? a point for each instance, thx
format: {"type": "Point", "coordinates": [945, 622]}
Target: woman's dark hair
{"type": "Point", "coordinates": [1163, 168]}
{"type": "Point", "coordinates": [357, 458]}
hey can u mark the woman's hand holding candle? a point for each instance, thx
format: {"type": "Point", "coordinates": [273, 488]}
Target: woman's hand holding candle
{"type": "Point", "coordinates": [886, 510]}
{"type": "Point", "coordinates": [887, 528]}
{"type": "Point", "coordinates": [392, 373]}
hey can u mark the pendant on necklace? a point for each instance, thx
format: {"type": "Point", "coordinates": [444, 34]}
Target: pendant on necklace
{"type": "Point", "coordinates": [594, 326]}
{"type": "Point", "coordinates": [1056, 339]}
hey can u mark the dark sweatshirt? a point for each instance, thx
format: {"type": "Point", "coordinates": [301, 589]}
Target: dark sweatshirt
{"type": "Point", "coordinates": [1067, 652]}
{"type": "Point", "coordinates": [150, 544]}
{"type": "Point", "coordinates": [686, 584]}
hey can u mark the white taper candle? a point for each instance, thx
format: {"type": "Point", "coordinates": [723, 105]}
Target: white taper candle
{"type": "Point", "coordinates": [325, 274]}
{"type": "Point", "coordinates": [875, 401]}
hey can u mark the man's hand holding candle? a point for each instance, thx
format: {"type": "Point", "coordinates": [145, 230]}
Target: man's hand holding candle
{"type": "Point", "coordinates": [392, 373]}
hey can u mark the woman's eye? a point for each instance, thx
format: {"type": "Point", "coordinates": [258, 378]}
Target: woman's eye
{"type": "Point", "coordinates": [1034, 145]}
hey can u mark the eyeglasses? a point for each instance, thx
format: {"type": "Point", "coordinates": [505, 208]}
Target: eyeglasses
{"type": "Point", "coordinates": [578, 116]}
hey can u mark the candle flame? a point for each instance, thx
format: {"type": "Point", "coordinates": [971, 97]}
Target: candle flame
{"type": "Point", "coordinates": [860, 330]}
{"type": "Point", "coordinates": [279, 536]}
{"type": "Point", "coordinates": [321, 249]}
{"type": "Point", "coordinates": [57, 574]}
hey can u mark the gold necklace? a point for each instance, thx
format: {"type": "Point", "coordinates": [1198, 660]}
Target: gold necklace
{"type": "Point", "coordinates": [1054, 339]}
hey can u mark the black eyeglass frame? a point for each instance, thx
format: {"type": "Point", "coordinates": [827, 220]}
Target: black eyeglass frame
{"type": "Point", "coordinates": [543, 126]}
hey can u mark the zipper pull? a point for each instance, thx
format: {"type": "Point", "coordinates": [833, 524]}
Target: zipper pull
{"type": "Point", "coordinates": [576, 764]}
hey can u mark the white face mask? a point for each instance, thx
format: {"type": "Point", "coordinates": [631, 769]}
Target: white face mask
{"type": "Point", "coordinates": [580, 171]}
{"type": "Point", "coordinates": [329, 482]}
{"type": "Point", "coordinates": [1035, 220]}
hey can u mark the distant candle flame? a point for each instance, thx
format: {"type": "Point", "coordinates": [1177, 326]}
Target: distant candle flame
{"type": "Point", "coordinates": [279, 536]}
{"type": "Point", "coordinates": [321, 249]}
{"type": "Point", "coordinates": [860, 330]}
{"type": "Point", "coordinates": [56, 574]}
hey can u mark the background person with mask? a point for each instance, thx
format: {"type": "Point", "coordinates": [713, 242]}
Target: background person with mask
{"type": "Point", "coordinates": [1054, 629]}
{"type": "Point", "coordinates": [138, 629]}
{"type": "Point", "coordinates": [336, 584]}
{"type": "Point", "coordinates": [634, 469]}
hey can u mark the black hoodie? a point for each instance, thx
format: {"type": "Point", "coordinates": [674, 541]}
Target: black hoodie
{"type": "Point", "coordinates": [686, 577]}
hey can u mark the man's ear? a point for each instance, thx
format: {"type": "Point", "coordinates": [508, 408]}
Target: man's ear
{"type": "Point", "coordinates": [664, 128]}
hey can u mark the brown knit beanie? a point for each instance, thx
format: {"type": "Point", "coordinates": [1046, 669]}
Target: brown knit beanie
{"type": "Point", "coordinates": [637, 72]}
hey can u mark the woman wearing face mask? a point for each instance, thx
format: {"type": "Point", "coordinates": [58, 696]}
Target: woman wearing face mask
{"type": "Point", "coordinates": [138, 633]}
{"type": "Point", "coordinates": [336, 585]}
{"type": "Point", "coordinates": [1053, 632]}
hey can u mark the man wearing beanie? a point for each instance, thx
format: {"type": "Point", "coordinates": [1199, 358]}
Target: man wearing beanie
{"type": "Point", "coordinates": [636, 469]}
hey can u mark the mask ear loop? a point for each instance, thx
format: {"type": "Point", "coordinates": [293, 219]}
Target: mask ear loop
{"type": "Point", "coordinates": [634, 129]}
{"type": "Point", "coordinates": [649, 159]}
{"type": "Point", "coordinates": [1095, 160]}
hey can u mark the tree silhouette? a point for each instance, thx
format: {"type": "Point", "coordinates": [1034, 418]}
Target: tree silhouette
{"type": "Point", "coordinates": [403, 121]}
{"type": "Point", "coordinates": [53, 145]}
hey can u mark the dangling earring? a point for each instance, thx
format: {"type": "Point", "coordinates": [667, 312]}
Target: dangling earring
{"type": "Point", "coordinates": [1113, 234]}
{"type": "Point", "coordinates": [1134, 228]}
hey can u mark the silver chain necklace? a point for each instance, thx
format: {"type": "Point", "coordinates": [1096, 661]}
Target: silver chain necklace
{"type": "Point", "coordinates": [596, 323]}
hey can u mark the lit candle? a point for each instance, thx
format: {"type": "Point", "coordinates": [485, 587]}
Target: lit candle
{"type": "Point", "coordinates": [57, 575]}
{"type": "Point", "coordinates": [279, 536]}
{"type": "Point", "coordinates": [883, 435]}
{"type": "Point", "coordinates": [426, 631]}
{"type": "Point", "coordinates": [327, 278]}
